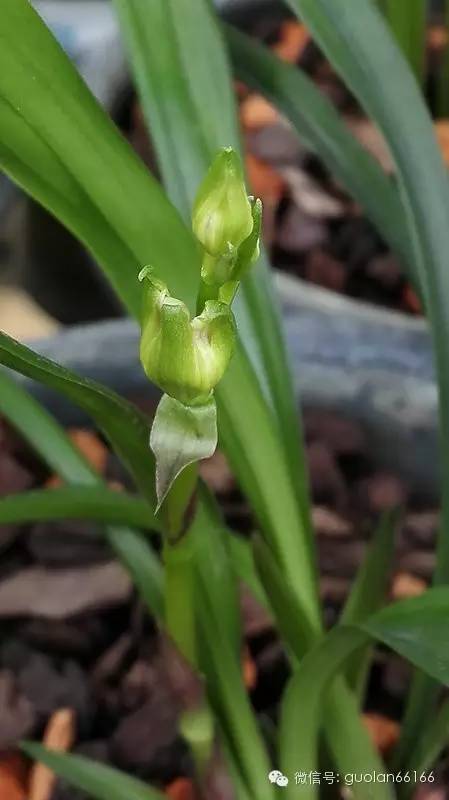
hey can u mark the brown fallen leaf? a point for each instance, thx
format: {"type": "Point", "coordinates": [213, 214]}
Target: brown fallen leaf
{"type": "Point", "coordinates": [437, 37]}
{"type": "Point", "coordinates": [266, 183]}
{"type": "Point", "coordinates": [441, 128]}
{"type": "Point", "coordinates": [328, 523]}
{"type": "Point", "coordinates": [91, 447]}
{"type": "Point", "coordinates": [406, 585]}
{"type": "Point", "coordinates": [181, 789]}
{"type": "Point", "coordinates": [384, 732]}
{"type": "Point", "coordinates": [62, 593]}
{"type": "Point", "coordinates": [59, 735]}
{"type": "Point", "coordinates": [292, 41]}
{"type": "Point", "coordinates": [13, 776]}
{"type": "Point", "coordinates": [249, 668]}
{"type": "Point", "coordinates": [256, 112]}
{"type": "Point", "coordinates": [309, 196]}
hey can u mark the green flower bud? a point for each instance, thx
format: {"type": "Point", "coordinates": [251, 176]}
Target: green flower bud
{"type": "Point", "coordinates": [185, 357]}
{"type": "Point", "coordinates": [222, 215]}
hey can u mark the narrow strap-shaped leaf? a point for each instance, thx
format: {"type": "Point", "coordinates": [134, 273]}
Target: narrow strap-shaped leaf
{"type": "Point", "coordinates": [347, 740]}
{"type": "Point", "coordinates": [78, 502]}
{"type": "Point", "coordinates": [49, 111]}
{"type": "Point", "coordinates": [320, 127]}
{"type": "Point", "coordinates": [99, 781]}
{"type": "Point", "coordinates": [217, 567]}
{"type": "Point", "coordinates": [57, 450]}
{"type": "Point", "coordinates": [218, 615]}
{"type": "Point", "coordinates": [427, 750]}
{"type": "Point", "coordinates": [43, 433]}
{"type": "Point", "coordinates": [416, 629]}
{"type": "Point", "coordinates": [125, 427]}
{"type": "Point", "coordinates": [244, 567]}
{"type": "Point", "coordinates": [369, 591]}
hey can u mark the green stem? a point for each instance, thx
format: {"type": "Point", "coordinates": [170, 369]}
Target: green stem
{"type": "Point", "coordinates": [206, 292]}
{"type": "Point", "coordinates": [196, 724]}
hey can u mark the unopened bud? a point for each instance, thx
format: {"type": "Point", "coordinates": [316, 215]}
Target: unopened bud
{"type": "Point", "coordinates": [185, 357]}
{"type": "Point", "coordinates": [222, 217]}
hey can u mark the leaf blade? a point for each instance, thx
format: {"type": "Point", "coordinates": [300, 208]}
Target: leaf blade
{"type": "Point", "coordinates": [77, 502]}
{"type": "Point", "coordinates": [101, 782]}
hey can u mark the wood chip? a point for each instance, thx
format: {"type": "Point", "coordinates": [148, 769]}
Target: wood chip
{"type": "Point", "coordinates": [91, 447]}
{"type": "Point", "coordinates": [384, 732]}
{"type": "Point", "coordinates": [59, 735]}
{"type": "Point", "coordinates": [249, 668]}
{"type": "Point", "coordinates": [181, 789]}
{"type": "Point", "coordinates": [437, 37]}
{"type": "Point", "coordinates": [266, 183]}
{"type": "Point", "coordinates": [441, 128]}
{"type": "Point", "coordinates": [406, 585]}
{"type": "Point", "coordinates": [256, 113]}
{"type": "Point", "coordinates": [327, 523]}
{"type": "Point", "coordinates": [12, 777]}
{"type": "Point", "coordinates": [61, 593]}
{"type": "Point", "coordinates": [308, 195]}
{"type": "Point", "coordinates": [293, 39]}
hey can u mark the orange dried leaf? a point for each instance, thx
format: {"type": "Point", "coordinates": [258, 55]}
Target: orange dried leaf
{"type": "Point", "coordinates": [12, 778]}
{"type": "Point", "coordinates": [59, 735]}
{"type": "Point", "coordinates": [406, 585]}
{"type": "Point", "coordinates": [442, 133]}
{"type": "Point", "coordinates": [384, 732]}
{"type": "Point", "coordinates": [181, 789]}
{"type": "Point", "coordinates": [293, 39]}
{"type": "Point", "coordinates": [437, 37]}
{"type": "Point", "coordinates": [256, 112]}
{"type": "Point", "coordinates": [249, 668]}
{"type": "Point", "coordinates": [91, 447]}
{"type": "Point", "coordinates": [265, 182]}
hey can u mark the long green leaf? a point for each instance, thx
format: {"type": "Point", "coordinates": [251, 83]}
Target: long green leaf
{"type": "Point", "coordinates": [321, 128]}
{"type": "Point", "coordinates": [78, 502]}
{"type": "Point", "coordinates": [416, 629]}
{"type": "Point", "coordinates": [347, 740]}
{"type": "Point", "coordinates": [220, 651]}
{"type": "Point", "coordinates": [426, 751]}
{"type": "Point", "coordinates": [369, 592]}
{"type": "Point", "coordinates": [183, 76]}
{"type": "Point", "coordinates": [125, 427]}
{"type": "Point", "coordinates": [99, 781]}
{"type": "Point", "coordinates": [59, 453]}
{"type": "Point", "coordinates": [59, 144]}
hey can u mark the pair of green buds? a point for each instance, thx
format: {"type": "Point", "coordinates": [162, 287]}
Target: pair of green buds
{"type": "Point", "coordinates": [187, 357]}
